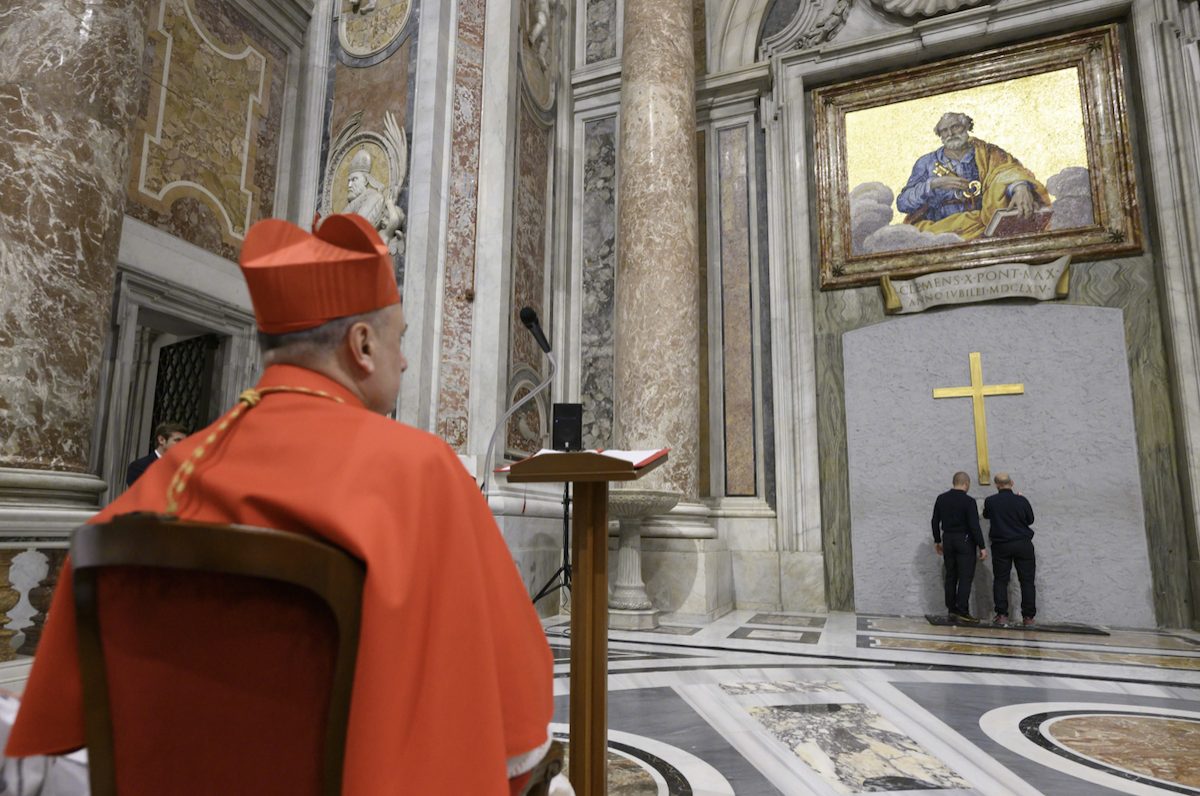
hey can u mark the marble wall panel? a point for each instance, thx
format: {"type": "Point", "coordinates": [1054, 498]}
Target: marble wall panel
{"type": "Point", "coordinates": [374, 91]}
{"type": "Point", "coordinates": [700, 37]}
{"type": "Point", "coordinates": [600, 36]}
{"type": "Point", "coordinates": [64, 160]}
{"type": "Point", "coordinates": [529, 279]}
{"type": "Point", "coordinates": [1127, 284]}
{"type": "Point", "coordinates": [454, 370]}
{"type": "Point", "coordinates": [206, 144]}
{"type": "Point", "coordinates": [767, 376]}
{"type": "Point", "coordinates": [736, 313]}
{"type": "Point", "coordinates": [599, 232]}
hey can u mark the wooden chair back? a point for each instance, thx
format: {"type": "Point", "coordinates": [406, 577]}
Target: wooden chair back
{"type": "Point", "coordinates": [215, 658]}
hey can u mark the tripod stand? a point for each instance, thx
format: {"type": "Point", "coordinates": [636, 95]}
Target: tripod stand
{"type": "Point", "coordinates": [554, 584]}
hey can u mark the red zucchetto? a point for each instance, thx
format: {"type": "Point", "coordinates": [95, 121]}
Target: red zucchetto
{"type": "Point", "coordinates": [299, 280]}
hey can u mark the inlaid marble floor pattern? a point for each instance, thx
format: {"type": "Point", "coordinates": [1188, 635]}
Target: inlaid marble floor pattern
{"type": "Point", "coordinates": [772, 703]}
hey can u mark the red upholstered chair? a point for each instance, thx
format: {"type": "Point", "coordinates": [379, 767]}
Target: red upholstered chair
{"type": "Point", "coordinates": [215, 659]}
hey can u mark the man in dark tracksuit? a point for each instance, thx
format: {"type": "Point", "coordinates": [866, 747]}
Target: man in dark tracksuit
{"type": "Point", "coordinates": [958, 539]}
{"type": "Point", "coordinates": [1012, 543]}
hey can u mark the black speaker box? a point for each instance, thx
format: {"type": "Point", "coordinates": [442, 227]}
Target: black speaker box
{"type": "Point", "coordinates": [567, 427]}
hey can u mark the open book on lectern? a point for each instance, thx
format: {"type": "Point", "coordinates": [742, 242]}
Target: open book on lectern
{"type": "Point", "coordinates": [591, 462]}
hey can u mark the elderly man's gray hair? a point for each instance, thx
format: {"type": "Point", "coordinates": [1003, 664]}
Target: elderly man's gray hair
{"type": "Point", "coordinates": [962, 118]}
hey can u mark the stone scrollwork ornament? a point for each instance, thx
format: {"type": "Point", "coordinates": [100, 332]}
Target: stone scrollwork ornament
{"type": "Point", "coordinates": [814, 23]}
{"type": "Point", "coordinates": [366, 175]}
{"type": "Point", "coordinates": [924, 8]}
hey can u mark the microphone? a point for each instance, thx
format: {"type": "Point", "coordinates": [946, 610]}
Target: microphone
{"type": "Point", "coordinates": [530, 319]}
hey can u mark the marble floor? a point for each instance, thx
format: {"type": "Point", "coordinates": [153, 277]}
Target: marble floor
{"type": "Point", "coordinates": [770, 703]}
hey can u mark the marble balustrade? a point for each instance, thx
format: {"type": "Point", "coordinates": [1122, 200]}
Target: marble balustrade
{"type": "Point", "coordinates": [28, 576]}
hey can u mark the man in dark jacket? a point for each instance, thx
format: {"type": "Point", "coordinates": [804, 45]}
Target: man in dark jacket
{"type": "Point", "coordinates": [1012, 543]}
{"type": "Point", "coordinates": [958, 539]}
{"type": "Point", "coordinates": [165, 436]}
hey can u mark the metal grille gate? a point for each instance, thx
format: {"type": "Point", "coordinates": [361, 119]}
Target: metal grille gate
{"type": "Point", "coordinates": [184, 382]}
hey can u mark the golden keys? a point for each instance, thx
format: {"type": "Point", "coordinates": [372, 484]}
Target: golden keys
{"type": "Point", "coordinates": [974, 187]}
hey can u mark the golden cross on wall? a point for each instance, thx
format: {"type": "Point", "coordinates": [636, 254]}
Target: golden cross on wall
{"type": "Point", "coordinates": [977, 391]}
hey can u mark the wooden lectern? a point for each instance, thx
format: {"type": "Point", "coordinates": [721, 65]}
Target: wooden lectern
{"type": "Point", "coordinates": [590, 472]}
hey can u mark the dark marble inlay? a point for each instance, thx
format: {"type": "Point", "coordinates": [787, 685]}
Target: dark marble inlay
{"type": "Point", "coordinates": [562, 654]}
{"type": "Point", "coordinates": [1148, 748]}
{"type": "Point", "coordinates": [786, 619]}
{"type": "Point", "coordinates": [599, 224]}
{"type": "Point", "coordinates": [601, 33]}
{"type": "Point", "coordinates": [764, 634]}
{"type": "Point", "coordinates": [677, 630]}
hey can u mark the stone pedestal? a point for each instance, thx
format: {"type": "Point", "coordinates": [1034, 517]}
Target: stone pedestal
{"type": "Point", "coordinates": [689, 580]}
{"type": "Point", "coordinates": [630, 608]}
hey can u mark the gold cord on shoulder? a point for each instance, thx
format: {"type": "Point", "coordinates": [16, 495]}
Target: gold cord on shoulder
{"type": "Point", "coordinates": [246, 401]}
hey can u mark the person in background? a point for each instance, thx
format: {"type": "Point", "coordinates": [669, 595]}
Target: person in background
{"type": "Point", "coordinates": [959, 540]}
{"type": "Point", "coordinates": [166, 435]}
{"type": "Point", "coordinates": [1012, 543]}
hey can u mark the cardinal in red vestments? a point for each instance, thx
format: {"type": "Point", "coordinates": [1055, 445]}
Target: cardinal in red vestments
{"type": "Point", "coordinates": [453, 685]}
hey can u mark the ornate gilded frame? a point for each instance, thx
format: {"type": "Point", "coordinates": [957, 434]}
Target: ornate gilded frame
{"type": "Point", "coordinates": [1116, 228]}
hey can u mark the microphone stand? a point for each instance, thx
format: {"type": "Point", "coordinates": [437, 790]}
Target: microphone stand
{"type": "Point", "coordinates": [553, 584]}
{"type": "Point", "coordinates": [529, 318]}
{"type": "Point", "coordinates": [487, 461]}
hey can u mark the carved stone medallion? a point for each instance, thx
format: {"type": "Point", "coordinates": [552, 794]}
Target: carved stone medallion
{"type": "Point", "coordinates": [366, 27]}
{"type": "Point", "coordinates": [539, 45]}
{"type": "Point", "coordinates": [366, 174]}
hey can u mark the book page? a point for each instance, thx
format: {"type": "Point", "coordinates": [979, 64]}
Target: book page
{"type": "Point", "coordinates": [636, 458]}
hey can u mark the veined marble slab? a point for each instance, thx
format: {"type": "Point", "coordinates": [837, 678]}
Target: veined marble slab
{"type": "Point", "coordinates": [855, 749]}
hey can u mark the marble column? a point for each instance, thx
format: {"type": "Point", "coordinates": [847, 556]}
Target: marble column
{"type": "Point", "coordinates": [70, 80]}
{"type": "Point", "coordinates": [657, 310]}
{"type": "Point", "coordinates": [71, 75]}
{"type": "Point", "coordinates": [687, 570]}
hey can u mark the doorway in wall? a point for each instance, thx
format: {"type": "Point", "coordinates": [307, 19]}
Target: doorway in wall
{"type": "Point", "coordinates": [174, 355]}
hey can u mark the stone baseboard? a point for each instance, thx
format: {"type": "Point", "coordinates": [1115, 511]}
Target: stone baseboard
{"type": "Point", "coordinates": [689, 580]}
{"type": "Point", "coordinates": [802, 582]}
